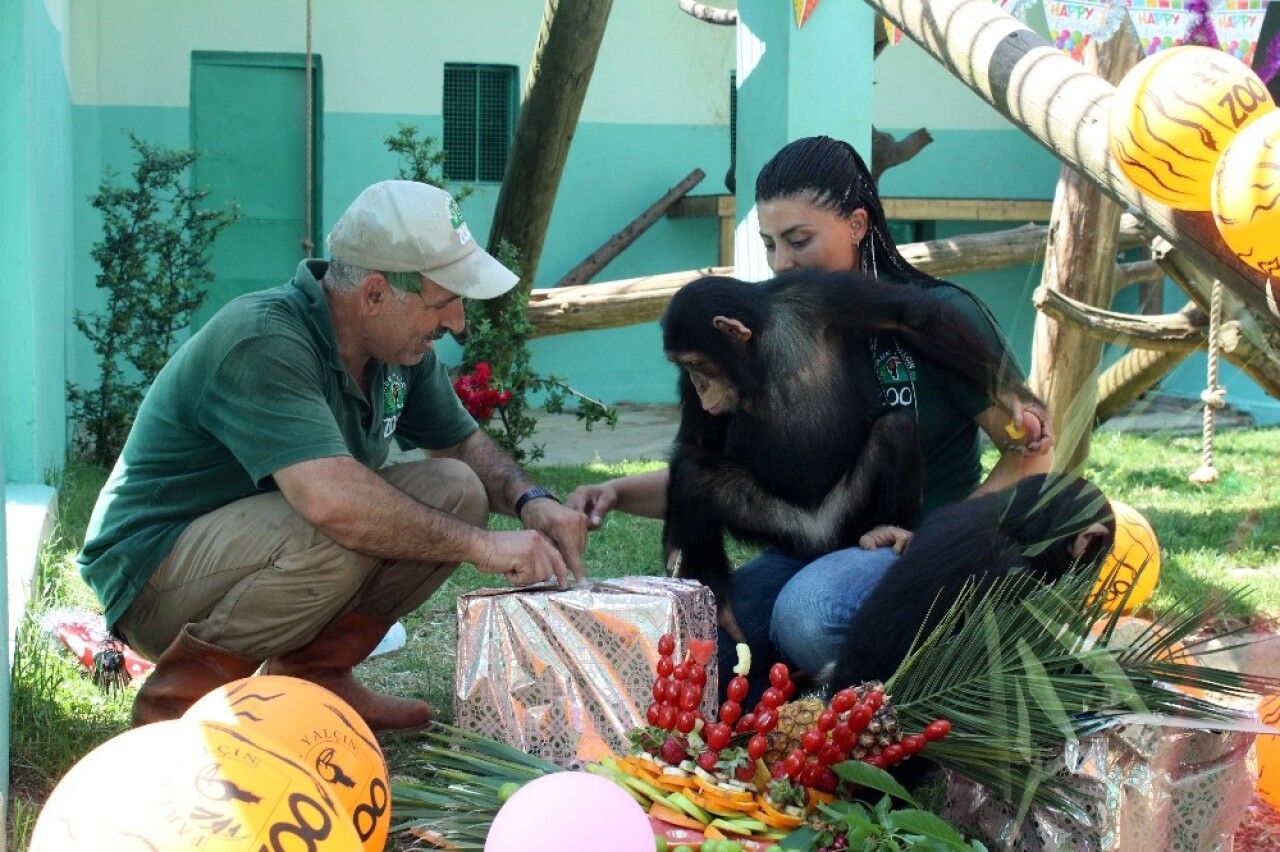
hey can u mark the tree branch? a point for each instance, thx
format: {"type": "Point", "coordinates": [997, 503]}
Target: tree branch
{"type": "Point", "coordinates": [710, 14]}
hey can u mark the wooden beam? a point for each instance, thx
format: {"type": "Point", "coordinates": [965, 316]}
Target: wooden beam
{"type": "Point", "coordinates": [1064, 107]}
{"type": "Point", "coordinates": [911, 209]}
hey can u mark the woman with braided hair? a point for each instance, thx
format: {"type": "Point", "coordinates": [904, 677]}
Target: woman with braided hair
{"type": "Point", "coordinates": [818, 209]}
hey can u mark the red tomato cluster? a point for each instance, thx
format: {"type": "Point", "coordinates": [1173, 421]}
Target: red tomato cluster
{"type": "Point", "coordinates": [678, 689]}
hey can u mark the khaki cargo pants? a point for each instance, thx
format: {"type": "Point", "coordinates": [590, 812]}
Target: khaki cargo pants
{"type": "Point", "coordinates": [255, 579]}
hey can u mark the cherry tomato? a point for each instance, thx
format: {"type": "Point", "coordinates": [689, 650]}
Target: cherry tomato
{"type": "Point", "coordinates": [684, 721]}
{"type": "Point", "coordinates": [718, 735]}
{"type": "Point", "coordinates": [843, 736]}
{"type": "Point", "coordinates": [827, 720]}
{"type": "Point", "coordinates": [773, 697]}
{"type": "Point", "coordinates": [789, 689]}
{"type": "Point", "coordinates": [665, 666]}
{"type": "Point", "coordinates": [828, 781]}
{"type": "Point", "coordinates": [737, 688]}
{"type": "Point", "coordinates": [666, 717]}
{"type": "Point", "coordinates": [859, 718]}
{"type": "Point", "coordinates": [660, 689]}
{"type": "Point", "coordinates": [914, 743]}
{"type": "Point", "coordinates": [766, 720]}
{"type": "Point", "coordinates": [690, 696]}
{"type": "Point", "coordinates": [830, 753]}
{"type": "Point", "coordinates": [758, 745]}
{"type": "Point", "coordinates": [892, 753]}
{"type": "Point", "coordinates": [843, 701]}
{"type": "Point", "coordinates": [779, 674]}
{"type": "Point", "coordinates": [730, 711]}
{"type": "Point", "coordinates": [651, 715]}
{"type": "Point", "coordinates": [666, 645]}
{"type": "Point", "coordinates": [697, 674]}
{"type": "Point", "coordinates": [681, 671]}
{"type": "Point", "coordinates": [813, 741]}
{"type": "Point", "coordinates": [874, 699]}
{"type": "Point", "coordinates": [876, 760]}
{"type": "Point", "coordinates": [937, 729]}
{"type": "Point", "coordinates": [746, 723]}
{"type": "Point", "coordinates": [793, 763]}
{"type": "Point", "coordinates": [811, 774]}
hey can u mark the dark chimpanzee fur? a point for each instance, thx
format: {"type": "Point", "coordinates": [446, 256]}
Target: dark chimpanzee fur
{"type": "Point", "coordinates": [1030, 527]}
{"type": "Point", "coordinates": [810, 459]}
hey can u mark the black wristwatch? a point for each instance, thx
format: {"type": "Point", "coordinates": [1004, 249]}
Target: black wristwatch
{"type": "Point", "coordinates": [534, 494]}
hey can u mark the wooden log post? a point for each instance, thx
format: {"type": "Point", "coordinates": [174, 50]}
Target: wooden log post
{"type": "Point", "coordinates": [599, 259]}
{"type": "Point", "coordinates": [1079, 263]}
{"type": "Point", "coordinates": [1064, 107]}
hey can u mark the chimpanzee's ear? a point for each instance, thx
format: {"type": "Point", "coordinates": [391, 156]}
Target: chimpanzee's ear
{"type": "Point", "coordinates": [737, 333]}
{"type": "Point", "coordinates": [1082, 542]}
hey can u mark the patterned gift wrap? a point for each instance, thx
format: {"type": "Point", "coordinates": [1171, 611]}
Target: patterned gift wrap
{"type": "Point", "coordinates": [564, 674]}
{"type": "Point", "coordinates": [1143, 788]}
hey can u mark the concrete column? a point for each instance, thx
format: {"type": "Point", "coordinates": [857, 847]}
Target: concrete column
{"type": "Point", "coordinates": [794, 82]}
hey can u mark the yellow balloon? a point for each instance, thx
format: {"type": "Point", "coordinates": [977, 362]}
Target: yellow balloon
{"type": "Point", "coordinates": [1268, 747]}
{"type": "Point", "coordinates": [183, 784]}
{"type": "Point", "coordinates": [319, 728]}
{"type": "Point", "coordinates": [1174, 114]}
{"type": "Point", "coordinates": [1246, 194]}
{"type": "Point", "coordinates": [1133, 563]}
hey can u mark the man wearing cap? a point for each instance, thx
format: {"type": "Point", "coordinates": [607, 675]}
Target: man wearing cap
{"type": "Point", "coordinates": [250, 519]}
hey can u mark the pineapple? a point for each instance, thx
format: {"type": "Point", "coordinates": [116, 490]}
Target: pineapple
{"type": "Point", "coordinates": [883, 729]}
{"type": "Point", "coordinates": [794, 719]}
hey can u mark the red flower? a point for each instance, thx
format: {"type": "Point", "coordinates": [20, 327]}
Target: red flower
{"type": "Point", "coordinates": [477, 396]}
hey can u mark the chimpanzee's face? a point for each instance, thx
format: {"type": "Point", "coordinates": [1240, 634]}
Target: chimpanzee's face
{"type": "Point", "coordinates": [716, 392]}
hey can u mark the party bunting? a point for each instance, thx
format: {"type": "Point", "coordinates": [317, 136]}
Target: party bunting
{"type": "Point", "coordinates": [804, 8]}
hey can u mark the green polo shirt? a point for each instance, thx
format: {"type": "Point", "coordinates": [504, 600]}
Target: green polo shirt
{"type": "Point", "coordinates": [259, 388]}
{"type": "Point", "coordinates": [945, 405]}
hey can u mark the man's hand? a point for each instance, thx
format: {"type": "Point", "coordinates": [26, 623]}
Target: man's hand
{"type": "Point", "coordinates": [523, 557]}
{"type": "Point", "coordinates": [887, 536]}
{"type": "Point", "coordinates": [594, 501]}
{"type": "Point", "coordinates": [565, 526]}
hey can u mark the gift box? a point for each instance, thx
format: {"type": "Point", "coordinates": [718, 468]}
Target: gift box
{"type": "Point", "coordinates": [1143, 788]}
{"type": "Point", "coordinates": [565, 674]}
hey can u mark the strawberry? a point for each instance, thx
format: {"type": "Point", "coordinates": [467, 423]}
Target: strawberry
{"type": "Point", "coordinates": [708, 760]}
{"type": "Point", "coordinates": [674, 751]}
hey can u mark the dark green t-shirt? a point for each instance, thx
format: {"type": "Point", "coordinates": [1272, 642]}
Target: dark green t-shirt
{"type": "Point", "coordinates": [945, 405]}
{"type": "Point", "coordinates": [259, 388]}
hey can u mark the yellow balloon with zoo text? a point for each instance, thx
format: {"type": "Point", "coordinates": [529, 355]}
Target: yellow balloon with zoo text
{"type": "Point", "coordinates": [1246, 194]}
{"type": "Point", "coordinates": [1174, 114]}
{"type": "Point", "coordinates": [1268, 748]}
{"type": "Point", "coordinates": [320, 729]}
{"type": "Point", "coordinates": [184, 784]}
{"type": "Point", "coordinates": [1132, 567]}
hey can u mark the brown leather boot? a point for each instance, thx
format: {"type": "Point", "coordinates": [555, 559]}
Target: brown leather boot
{"type": "Point", "coordinates": [185, 672]}
{"type": "Point", "coordinates": [328, 659]}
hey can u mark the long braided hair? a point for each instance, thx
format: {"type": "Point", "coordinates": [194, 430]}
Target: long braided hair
{"type": "Point", "coordinates": [833, 172]}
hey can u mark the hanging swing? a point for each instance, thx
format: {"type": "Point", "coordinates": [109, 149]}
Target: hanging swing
{"type": "Point", "coordinates": [1214, 395]}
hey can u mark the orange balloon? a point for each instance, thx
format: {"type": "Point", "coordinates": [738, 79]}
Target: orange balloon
{"type": "Point", "coordinates": [319, 728]}
{"type": "Point", "coordinates": [1173, 115]}
{"type": "Point", "coordinates": [1268, 746]}
{"type": "Point", "coordinates": [1128, 631]}
{"type": "Point", "coordinates": [1133, 563]}
{"type": "Point", "coordinates": [191, 785]}
{"type": "Point", "coordinates": [1246, 194]}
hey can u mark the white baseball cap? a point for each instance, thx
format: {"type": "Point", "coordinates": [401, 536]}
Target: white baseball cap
{"type": "Point", "coordinates": [406, 226]}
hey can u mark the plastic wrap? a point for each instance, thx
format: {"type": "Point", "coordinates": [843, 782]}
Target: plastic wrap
{"type": "Point", "coordinates": [565, 673]}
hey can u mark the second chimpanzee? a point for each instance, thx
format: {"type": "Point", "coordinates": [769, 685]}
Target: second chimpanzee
{"type": "Point", "coordinates": [784, 436]}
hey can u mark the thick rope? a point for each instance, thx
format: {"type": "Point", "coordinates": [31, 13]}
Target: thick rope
{"type": "Point", "coordinates": [308, 248]}
{"type": "Point", "coordinates": [1214, 396]}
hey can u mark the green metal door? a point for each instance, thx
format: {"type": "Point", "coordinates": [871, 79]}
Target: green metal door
{"type": "Point", "coordinates": [249, 125]}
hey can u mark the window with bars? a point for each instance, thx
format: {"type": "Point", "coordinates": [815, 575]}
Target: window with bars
{"type": "Point", "coordinates": [480, 105]}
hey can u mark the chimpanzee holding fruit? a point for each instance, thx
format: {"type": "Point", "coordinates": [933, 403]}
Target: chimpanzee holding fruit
{"type": "Point", "coordinates": [1044, 525]}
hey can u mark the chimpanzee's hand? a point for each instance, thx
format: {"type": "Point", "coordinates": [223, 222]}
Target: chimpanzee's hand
{"type": "Point", "coordinates": [886, 536]}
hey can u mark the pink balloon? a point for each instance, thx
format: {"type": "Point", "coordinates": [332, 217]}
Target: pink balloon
{"type": "Point", "coordinates": [570, 812]}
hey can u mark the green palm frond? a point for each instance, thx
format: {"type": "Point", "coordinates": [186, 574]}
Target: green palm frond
{"type": "Point", "coordinates": [1018, 674]}
{"type": "Point", "coordinates": [454, 806]}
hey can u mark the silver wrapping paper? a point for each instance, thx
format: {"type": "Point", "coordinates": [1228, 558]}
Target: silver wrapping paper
{"type": "Point", "coordinates": [565, 673]}
{"type": "Point", "coordinates": [1145, 788]}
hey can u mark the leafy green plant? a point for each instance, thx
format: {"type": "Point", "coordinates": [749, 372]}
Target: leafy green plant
{"type": "Point", "coordinates": [498, 337]}
{"type": "Point", "coordinates": [154, 262]}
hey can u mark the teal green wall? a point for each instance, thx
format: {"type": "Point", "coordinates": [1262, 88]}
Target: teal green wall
{"type": "Point", "coordinates": [34, 198]}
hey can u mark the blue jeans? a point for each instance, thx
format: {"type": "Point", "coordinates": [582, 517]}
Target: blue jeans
{"type": "Point", "coordinates": [797, 612]}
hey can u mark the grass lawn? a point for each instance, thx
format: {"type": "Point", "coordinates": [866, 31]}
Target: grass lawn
{"type": "Point", "coordinates": [1224, 535]}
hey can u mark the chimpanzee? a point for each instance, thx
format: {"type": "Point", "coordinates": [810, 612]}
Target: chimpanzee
{"type": "Point", "coordinates": [784, 438]}
{"type": "Point", "coordinates": [1044, 525]}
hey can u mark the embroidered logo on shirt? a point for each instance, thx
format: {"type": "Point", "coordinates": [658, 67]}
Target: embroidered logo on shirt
{"type": "Point", "coordinates": [393, 394]}
{"type": "Point", "coordinates": [896, 371]}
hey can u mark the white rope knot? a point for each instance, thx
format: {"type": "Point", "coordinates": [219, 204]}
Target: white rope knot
{"type": "Point", "coordinates": [1217, 397]}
